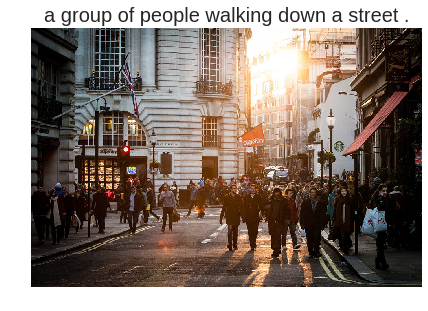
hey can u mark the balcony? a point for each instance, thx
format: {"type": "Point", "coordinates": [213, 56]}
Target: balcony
{"type": "Point", "coordinates": [385, 37]}
{"type": "Point", "coordinates": [105, 84]}
{"type": "Point", "coordinates": [213, 88]}
{"type": "Point", "coordinates": [211, 141]}
{"type": "Point", "coordinates": [48, 108]}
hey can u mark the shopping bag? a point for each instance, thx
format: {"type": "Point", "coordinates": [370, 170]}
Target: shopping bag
{"type": "Point", "coordinates": [303, 233]}
{"type": "Point", "coordinates": [367, 227]}
{"type": "Point", "coordinates": [140, 220]}
{"type": "Point", "coordinates": [379, 222]}
{"type": "Point", "coordinates": [148, 207]}
{"type": "Point", "coordinates": [73, 221]}
{"type": "Point", "coordinates": [175, 216]}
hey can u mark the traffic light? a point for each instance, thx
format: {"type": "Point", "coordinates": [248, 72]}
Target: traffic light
{"type": "Point", "coordinates": [126, 151]}
{"type": "Point", "coordinates": [320, 157]}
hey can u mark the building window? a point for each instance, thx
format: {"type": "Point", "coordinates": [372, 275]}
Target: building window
{"type": "Point", "coordinates": [210, 62]}
{"type": "Point", "coordinates": [112, 128]}
{"type": "Point", "coordinates": [47, 79]}
{"type": "Point", "coordinates": [88, 135]}
{"type": "Point", "coordinates": [136, 135]}
{"type": "Point", "coordinates": [210, 137]}
{"type": "Point", "coordinates": [109, 56]}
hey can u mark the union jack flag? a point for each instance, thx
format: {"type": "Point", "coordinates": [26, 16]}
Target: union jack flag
{"type": "Point", "coordinates": [127, 74]}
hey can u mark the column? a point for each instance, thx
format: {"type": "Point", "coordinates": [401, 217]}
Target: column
{"type": "Point", "coordinates": [148, 57]}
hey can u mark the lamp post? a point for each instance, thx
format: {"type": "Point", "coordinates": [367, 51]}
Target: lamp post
{"type": "Point", "coordinates": [154, 139]}
{"type": "Point", "coordinates": [330, 123]}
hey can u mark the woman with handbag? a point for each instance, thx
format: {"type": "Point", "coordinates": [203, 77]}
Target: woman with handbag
{"type": "Point", "coordinates": [381, 200]}
{"type": "Point", "coordinates": [342, 218]}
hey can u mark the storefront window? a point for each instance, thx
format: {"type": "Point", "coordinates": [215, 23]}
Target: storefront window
{"type": "Point", "coordinates": [88, 135]}
{"type": "Point", "coordinates": [112, 128]}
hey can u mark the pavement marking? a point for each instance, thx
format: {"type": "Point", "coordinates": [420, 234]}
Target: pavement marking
{"type": "Point", "coordinates": [215, 234]}
{"type": "Point", "coordinates": [92, 247]}
{"type": "Point", "coordinates": [206, 241]}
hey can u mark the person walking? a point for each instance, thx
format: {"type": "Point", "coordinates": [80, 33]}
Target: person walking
{"type": "Point", "coordinates": [167, 199]}
{"type": "Point", "coordinates": [151, 200]}
{"type": "Point", "coordinates": [39, 208]}
{"type": "Point", "coordinates": [80, 206]}
{"type": "Point", "coordinates": [201, 201]}
{"type": "Point", "coordinates": [134, 205]}
{"type": "Point", "coordinates": [232, 209]}
{"type": "Point", "coordinates": [278, 214]}
{"type": "Point", "coordinates": [382, 201]}
{"type": "Point", "coordinates": [56, 215]}
{"type": "Point", "coordinates": [99, 208]}
{"type": "Point", "coordinates": [144, 204]}
{"type": "Point", "coordinates": [312, 219]}
{"type": "Point", "coordinates": [193, 198]}
{"type": "Point", "coordinates": [294, 218]}
{"type": "Point", "coordinates": [343, 208]}
{"type": "Point", "coordinates": [68, 202]}
{"type": "Point", "coordinates": [253, 206]}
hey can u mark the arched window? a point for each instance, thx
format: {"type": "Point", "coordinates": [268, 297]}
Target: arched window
{"type": "Point", "coordinates": [136, 135]}
{"type": "Point", "coordinates": [88, 135]}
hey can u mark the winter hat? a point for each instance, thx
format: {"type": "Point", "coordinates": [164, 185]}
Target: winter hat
{"type": "Point", "coordinates": [276, 190]}
{"type": "Point", "coordinates": [58, 189]}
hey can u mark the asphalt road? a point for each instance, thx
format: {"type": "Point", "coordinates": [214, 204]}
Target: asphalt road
{"type": "Point", "coordinates": [193, 254]}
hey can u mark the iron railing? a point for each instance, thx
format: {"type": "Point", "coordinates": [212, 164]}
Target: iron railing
{"type": "Point", "coordinates": [212, 87]}
{"type": "Point", "coordinates": [385, 36]}
{"type": "Point", "coordinates": [106, 84]}
{"type": "Point", "coordinates": [48, 108]}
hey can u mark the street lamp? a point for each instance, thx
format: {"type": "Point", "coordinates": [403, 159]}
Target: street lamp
{"type": "Point", "coordinates": [154, 139]}
{"type": "Point", "coordinates": [330, 123]}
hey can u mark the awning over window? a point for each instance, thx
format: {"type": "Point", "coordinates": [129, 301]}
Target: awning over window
{"type": "Point", "coordinates": [383, 113]}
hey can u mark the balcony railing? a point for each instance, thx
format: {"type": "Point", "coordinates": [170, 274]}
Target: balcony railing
{"type": "Point", "coordinates": [105, 84]}
{"type": "Point", "coordinates": [47, 109]}
{"type": "Point", "coordinates": [384, 38]}
{"type": "Point", "coordinates": [212, 87]}
{"type": "Point", "coordinates": [211, 141]}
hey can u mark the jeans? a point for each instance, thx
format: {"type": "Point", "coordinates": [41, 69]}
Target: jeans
{"type": "Point", "coordinates": [39, 222]}
{"type": "Point", "coordinates": [292, 226]}
{"type": "Point", "coordinates": [133, 219]}
{"type": "Point", "coordinates": [56, 233]}
{"type": "Point", "coordinates": [253, 230]}
{"type": "Point", "coordinates": [232, 235]}
{"type": "Point", "coordinates": [313, 240]}
{"type": "Point", "coordinates": [101, 223]}
{"type": "Point", "coordinates": [167, 211]}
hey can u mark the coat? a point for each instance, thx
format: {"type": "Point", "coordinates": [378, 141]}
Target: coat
{"type": "Point", "coordinates": [100, 202]}
{"type": "Point", "coordinates": [39, 203]}
{"type": "Point", "coordinates": [232, 209]}
{"type": "Point", "coordinates": [252, 208]}
{"type": "Point", "coordinates": [294, 217]}
{"type": "Point", "coordinates": [314, 220]}
{"type": "Point", "coordinates": [284, 210]}
{"type": "Point", "coordinates": [80, 206]}
{"type": "Point", "coordinates": [56, 215]}
{"type": "Point", "coordinates": [343, 221]}
{"type": "Point", "coordinates": [138, 202]}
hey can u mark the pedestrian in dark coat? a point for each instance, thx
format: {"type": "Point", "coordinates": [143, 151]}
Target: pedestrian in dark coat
{"type": "Point", "coordinates": [134, 205]}
{"type": "Point", "coordinates": [39, 208]}
{"type": "Point", "coordinates": [68, 202]}
{"type": "Point", "coordinates": [343, 208]}
{"type": "Point", "coordinates": [278, 215]}
{"type": "Point", "coordinates": [381, 200]}
{"type": "Point", "coordinates": [151, 200]}
{"type": "Point", "coordinates": [99, 208]}
{"type": "Point", "coordinates": [253, 206]}
{"type": "Point", "coordinates": [312, 219]}
{"type": "Point", "coordinates": [232, 209]}
{"type": "Point", "coordinates": [80, 206]}
{"type": "Point", "coordinates": [201, 201]}
{"type": "Point", "coordinates": [294, 218]}
{"type": "Point", "coordinates": [193, 198]}
{"type": "Point", "coordinates": [56, 214]}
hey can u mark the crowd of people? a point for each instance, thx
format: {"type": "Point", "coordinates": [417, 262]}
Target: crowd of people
{"type": "Point", "coordinates": [308, 203]}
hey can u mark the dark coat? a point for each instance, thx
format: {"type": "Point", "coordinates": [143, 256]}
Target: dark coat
{"type": "Point", "coordinates": [252, 208]}
{"type": "Point", "coordinates": [284, 210]}
{"type": "Point", "coordinates": [138, 202]}
{"type": "Point", "coordinates": [100, 202]}
{"type": "Point", "coordinates": [61, 209]}
{"type": "Point", "coordinates": [313, 219]}
{"type": "Point", "coordinates": [68, 202]}
{"type": "Point", "coordinates": [80, 206]}
{"type": "Point", "coordinates": [39, 203]}
{"type": "Point", "coordinates": [232, 209]}
{"type": "Point", "coordinates": [346, 225]}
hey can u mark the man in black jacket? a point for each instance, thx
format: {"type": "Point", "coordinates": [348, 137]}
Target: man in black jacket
{"type": "Point", "coordinates": [232, 208]}
{"type": "Point", "coordinates": [39, 207]}
{"type": "Point", "coordinates": [278, 214]}
{"type": "Point", "coordinates": [134, 206]}
{"type": "Point", "coordinates": [253, 205]}
{"type": "Point", "coordinates": [312, 219]}
{"type": "Point", "coordinates": [70, 210]}
{"type": "Point", "coordinates": [99, 208]}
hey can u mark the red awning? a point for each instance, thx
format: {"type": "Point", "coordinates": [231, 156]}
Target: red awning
{"type": "Point", "coordinates": [383, 113]}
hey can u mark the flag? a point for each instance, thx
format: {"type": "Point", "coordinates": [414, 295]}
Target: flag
{"type": "Point", "coordinates": [127, 74]}
{"type": "Point", "coordinates": [254, 137]}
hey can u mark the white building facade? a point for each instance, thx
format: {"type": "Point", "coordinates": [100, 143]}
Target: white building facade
{"type": "Point", "coordinates": [189, 90]}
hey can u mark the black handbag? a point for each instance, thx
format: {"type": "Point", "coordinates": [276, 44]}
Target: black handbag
{"type": "Point", "coordinates": [175, 216]}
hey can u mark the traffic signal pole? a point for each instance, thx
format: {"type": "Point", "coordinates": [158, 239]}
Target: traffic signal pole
{"type": "Point", "coordinates": [322, 164]}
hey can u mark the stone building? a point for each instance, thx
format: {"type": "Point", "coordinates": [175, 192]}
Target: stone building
{"type": "Point", "coordinates": [190, 90]}
{"type": "Point", "coordinates": [52, 92]}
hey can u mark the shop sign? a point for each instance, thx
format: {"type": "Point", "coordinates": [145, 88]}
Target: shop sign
{"type": "Point", "coordinates": [397, 61]}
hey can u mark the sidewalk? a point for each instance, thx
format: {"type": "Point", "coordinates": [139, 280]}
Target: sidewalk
{"type": "Point", "coordinates": [405, 264]}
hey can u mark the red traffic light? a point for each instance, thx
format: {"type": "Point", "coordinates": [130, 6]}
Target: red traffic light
{"type": "Point", "coordinates": [125, 149]}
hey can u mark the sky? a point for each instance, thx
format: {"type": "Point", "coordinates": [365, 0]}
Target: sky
{"type": "Point", "coordinates": [264, 38]}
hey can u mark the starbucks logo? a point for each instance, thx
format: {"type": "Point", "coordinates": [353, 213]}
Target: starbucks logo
{"type": "Point", "coordinates": [339, 146]}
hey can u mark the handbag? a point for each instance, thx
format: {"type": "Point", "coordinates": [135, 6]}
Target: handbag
{"type": "Point", "coordinates": [379, 222]}
{"type": "Point", "coordinates": [303, 233]}
{"type": "Point", "coordinates": [175, 216]}
{"type": "Point", "coordinates": [367, 227]}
